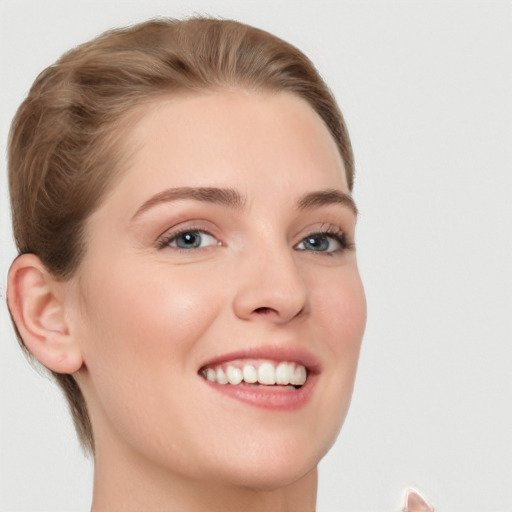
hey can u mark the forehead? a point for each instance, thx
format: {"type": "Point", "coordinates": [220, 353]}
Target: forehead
{"type": "Point", "coordinates": [207, 133]}
{"type": "Point", "coordinates": [262, 144]}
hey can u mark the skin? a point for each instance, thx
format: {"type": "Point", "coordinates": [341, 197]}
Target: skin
{"type": "Point", "coordinates": [141, 316]}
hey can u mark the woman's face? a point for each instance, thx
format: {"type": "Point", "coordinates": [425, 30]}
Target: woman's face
{"type": "Point", "coordinates": [224, 252]}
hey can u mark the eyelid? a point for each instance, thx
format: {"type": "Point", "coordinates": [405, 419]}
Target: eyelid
{"type": "Point", "coordinates": [203, 237]}
{"type": "Point", "coordinates": [328, 230]}
{"type": "Point", "coordinates": [171, 234]}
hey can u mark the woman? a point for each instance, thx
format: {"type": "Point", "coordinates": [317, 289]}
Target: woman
{"type": "Point", "coordinates": [181, 197]}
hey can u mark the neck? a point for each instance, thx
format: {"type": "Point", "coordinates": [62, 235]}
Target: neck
{"type": "Point", "coordinates": [132, 485]}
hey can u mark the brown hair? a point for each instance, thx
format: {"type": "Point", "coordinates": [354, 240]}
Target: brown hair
{"type": "Point", "coordinates": [66, 139]}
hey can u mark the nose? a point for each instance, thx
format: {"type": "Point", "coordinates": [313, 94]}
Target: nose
{"type": "Point", "coordinates": [270, 287]}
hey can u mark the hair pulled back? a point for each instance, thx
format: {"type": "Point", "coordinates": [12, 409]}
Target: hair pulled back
{"type": "Point", "coordinates": [65, 146]}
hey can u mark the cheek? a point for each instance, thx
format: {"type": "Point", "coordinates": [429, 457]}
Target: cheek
{"type": "Point", "coordinates": [163, 311]}
{"type": "Point", "coordinates": [341, 303]}
{"type": "Point", "coordinates": [140, 336]}
{"type": "Point", "coordinates": [141, 347]}
{"type": "Point", "coordinates": [342, 309]}
{"type": "Point", "coordinates": [348, 327]}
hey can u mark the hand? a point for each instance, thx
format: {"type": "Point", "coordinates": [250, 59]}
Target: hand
{"type": "Point", "coordinates": [415, 502]}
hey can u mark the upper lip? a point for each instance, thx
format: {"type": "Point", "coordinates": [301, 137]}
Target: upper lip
{"type": "Point", "coordinates": [272, 353]}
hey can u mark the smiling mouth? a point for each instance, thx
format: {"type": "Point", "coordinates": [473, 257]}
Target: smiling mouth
{"type": "Point", "coordinates": [257, 373]}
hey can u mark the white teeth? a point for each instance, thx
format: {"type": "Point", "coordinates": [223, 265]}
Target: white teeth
{"type": "Point", "coordinates": [299, 376]}
{"type": "Point", "coordinates": [267, 374]}
{"type": "Point", "coordinates": [220, 376]}
{"type": "Point", "coordinates": [283, 373]}
{"type": "Point", "coordinates": [250, 374]}
{"type": "Point", "coordinates": [263, 372]}
{"type": "Point", "coordinates": [234, 375]}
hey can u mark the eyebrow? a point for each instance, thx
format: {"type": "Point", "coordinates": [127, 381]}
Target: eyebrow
{"type": "Point", "coordinates": [223, 196]}
{"type": "Point", "coordinates": [326, 198]}
{"type": "Point", "coordinates": [233, 199]}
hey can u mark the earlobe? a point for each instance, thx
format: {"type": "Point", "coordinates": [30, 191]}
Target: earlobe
{"type": "Point", "coordinates": [39, 312]}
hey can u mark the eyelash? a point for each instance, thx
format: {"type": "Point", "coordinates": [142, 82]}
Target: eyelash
{"type": "Point", "coordinates": [167, 240]}
{"type": "Point", "coordinates": [333, 232]}
{"type": "Point", "coordinates": [329, 231]}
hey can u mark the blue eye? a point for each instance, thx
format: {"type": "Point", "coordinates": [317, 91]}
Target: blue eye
{"type": "Point", "coordinates": [193, 239]}
{"type": "Point", "coordinates": [322, 242]}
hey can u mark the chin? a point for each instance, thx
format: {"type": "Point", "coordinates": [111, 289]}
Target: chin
{"type": "Point", "coordinates": [268, 462]}
{"type": "Point", "coordinates": [268, 476]}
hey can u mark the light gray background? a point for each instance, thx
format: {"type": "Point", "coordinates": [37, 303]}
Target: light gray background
{"type": "Point", "coordinates": [425, 87]}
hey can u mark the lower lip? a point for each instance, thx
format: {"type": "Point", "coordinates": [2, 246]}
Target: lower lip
{"type": "Point", "coordinates": [268, 397]}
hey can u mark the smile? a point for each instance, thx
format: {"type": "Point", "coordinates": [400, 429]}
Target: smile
{"type": "Point", "coordinates": [272, 379]}
{"type": "Point", "coordinates": [257, 372]}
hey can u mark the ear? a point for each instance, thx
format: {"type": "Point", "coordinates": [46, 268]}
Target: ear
{"type": "Point", "coordinates": [37, 304]}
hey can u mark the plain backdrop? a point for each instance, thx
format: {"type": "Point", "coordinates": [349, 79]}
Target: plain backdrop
{"type": "Point", "coordinates": [425, 87]}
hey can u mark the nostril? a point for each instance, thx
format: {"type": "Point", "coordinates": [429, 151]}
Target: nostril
{"type": "Point", "coordinates": [263, 311]}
